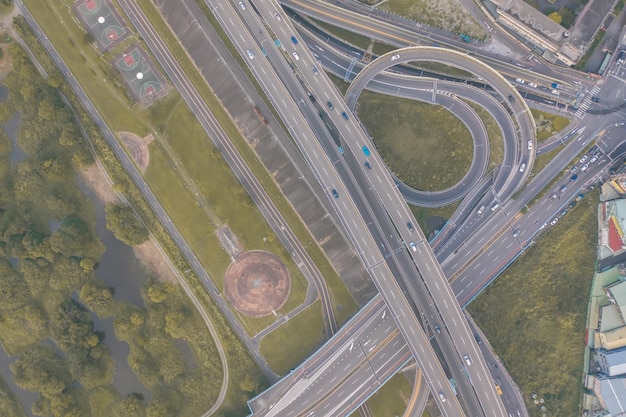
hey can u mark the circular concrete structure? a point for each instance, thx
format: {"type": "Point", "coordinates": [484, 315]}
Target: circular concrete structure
{"type": "Point", "coordinates": [257, 283]}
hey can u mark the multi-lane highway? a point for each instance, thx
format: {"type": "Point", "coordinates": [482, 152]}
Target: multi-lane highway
{"type": "Point", "coordinates": [392, 201]}
{"type": "Point", "coordinates": [283, 73]}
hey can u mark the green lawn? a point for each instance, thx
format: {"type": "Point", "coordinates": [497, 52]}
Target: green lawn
{"type": "Point", "coordinates": [423, 144]}
{"type": "Point", "coordinates": [289, 345]}
{"type": "Point", "coordinates": [534, 315]}
{"type": "Point", "coordinates": [392, 398]}
{"type": "Point", "coordinates": [548, 124]}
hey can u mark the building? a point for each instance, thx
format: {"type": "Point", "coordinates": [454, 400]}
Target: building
{"type": "Point", "coordinates": [612, 362]}
{"type": "Point", "coordinates": [611, 393]}
{"type": "Point", "coordinates": [617, 295]}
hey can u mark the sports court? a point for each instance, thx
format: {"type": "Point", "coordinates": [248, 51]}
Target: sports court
{"type": "Point", "coordinates": [101, 21]}
{"type": "Point", "coordinates": [146, 84]}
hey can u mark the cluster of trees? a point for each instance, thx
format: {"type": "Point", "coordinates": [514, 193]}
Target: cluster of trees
{"type": "Point", "coordinates": [48, 255]}
{"type": "Point", "coordinates": [122, 221]}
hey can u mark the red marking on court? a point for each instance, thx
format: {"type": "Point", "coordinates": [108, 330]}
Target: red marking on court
{"type": "Point", "coordinates": [129, 59]}
{"type": "Point", "coordinates": [112, 35]}
{"type": "Point", "coordinates": [90, 4]}
{"type": "Point", "coordinates": [150, 90]}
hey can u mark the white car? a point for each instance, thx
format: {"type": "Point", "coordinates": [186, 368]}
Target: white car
{"type": "Point", "coordinates": [533, 85]}
{"type": "Point", "coordinates": [393, 58]}
{"type": "Point", "coordinates": [519, 80]}
{"type": "Point", "coordinates": [522, 167]}
{"type": "Point", "coordinates": [442, 397]}
{"type": "Point", "coordinates": [583, 159]}
{"type": "Point", "coordinates": [250, 54]}
{"type": "Point", "coordinates": [243, 6]}
{"type": "Point", "coordinates": [555, 92]}
{"type": "Point", "coordinates": [584, 167]}
{"type": "Point", "coordinates": [530, 144]}
{"type": "Point", "coordinates": [554, 221]}
{"type": "Point", "coordinates": [295, 56]}
{"type": "Point", "coordinates": [277, 16]}
{"type": "Point", "coordinates": [468, 361]}
{"type": "Point", "coordinates": [593, 159]}
{"type": "Point", "coordinates": [413, 246]}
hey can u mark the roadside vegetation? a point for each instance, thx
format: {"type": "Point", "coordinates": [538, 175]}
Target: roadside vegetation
{"type": "Point", "coordinates": [49, 253]}
{"type": "Point", "coordinates": [534, 314]}
{"type": "Point", "coordinates": [426, 146]}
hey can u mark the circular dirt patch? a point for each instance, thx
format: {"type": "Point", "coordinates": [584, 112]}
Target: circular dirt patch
{"type": "Point", "coordinates": [257, 283]}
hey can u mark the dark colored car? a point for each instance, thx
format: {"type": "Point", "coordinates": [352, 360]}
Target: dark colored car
{"type": "Point", "coordinates": [294, 40]}
{"type": "Point", "coordinates": [573, 178]}
{"type": "Point", "coordinates": [595, 99]}
{"type": "Point", "coordinates": [409, 226]}
{"type": "Point", "coordinates": [368, 165]}
{"type": "Point", "coordinates": [330, 105]}
{"type": "Point", "coordinates": [344, 115]}
{"type": "Point", "coordinates": [512, 99]}
{"type": "Point", "coordinates": [335, 193]}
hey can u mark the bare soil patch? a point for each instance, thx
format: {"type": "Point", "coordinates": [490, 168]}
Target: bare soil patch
{"type": "Point", "coordinates": [257, 284]}
{"type": "Point", "coordinates": [137, 148]}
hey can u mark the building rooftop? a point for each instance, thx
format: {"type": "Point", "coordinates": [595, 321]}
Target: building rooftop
{"type": "Point", "coordinates": [613, 339]}
{"type": "Point", "coordinates": [612, 395]}
{"type": "Point", "coordinates": [617, 294]}
{"type": "Point", "coordinates": [610, 319]}
{"type": "Point", "coordinates": [615, 235]}
{"type": "Point", "coordinates": [613, 362]}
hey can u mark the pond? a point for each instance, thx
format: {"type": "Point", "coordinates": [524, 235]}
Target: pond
{"type": "Point", "coordinates": [120, 269]}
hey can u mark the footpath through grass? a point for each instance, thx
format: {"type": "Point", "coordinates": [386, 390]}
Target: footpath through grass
{"type": "Point", "coordinates": [534, 315]}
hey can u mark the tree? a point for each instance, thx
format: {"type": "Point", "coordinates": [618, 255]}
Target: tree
{"type": "Point", "coordinates": [121, 220]}
{"type": "Point", "coordinates": [98, 298]}
{"type": "Point", "coordinates": [158, 291]}
{"type": "Point", "coordinates": [73, 238]}
{"type": "Point", "coordinates": [556, 17]}
{"type": "Point", "coordinates": [14, 291]}
{"type": "Point", "coordinates": [68, 274]}
{"type": "Point", "coordinates": [131, 406]}
{"type": "Point", "coordinates": [42, 369]}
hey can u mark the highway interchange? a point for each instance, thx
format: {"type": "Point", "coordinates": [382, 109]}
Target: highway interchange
{"type": "Point", "coordinates": [421, 276]}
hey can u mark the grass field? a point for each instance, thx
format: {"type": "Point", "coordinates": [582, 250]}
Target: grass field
{"type": "Point", "coordinates": [448, 15]}
{"type": "Point", "coordinates": [548, 124]}
{"type": "Point", "coordinates": [424, 145]}
{"type": "Point", "coordinates": [391, 399]}
{"type": "Point", "coordinates": [496, 141]}
{"type": "Point", "coordinates": [282, 349]}
{"type": "Point", "coordinates": [534, 315]}
{"type": "Point", "coordinates": [193, 148]}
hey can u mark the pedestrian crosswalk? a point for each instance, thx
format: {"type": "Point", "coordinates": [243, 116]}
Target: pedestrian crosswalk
{"type": "Point", "coordinates": [582, 108]}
